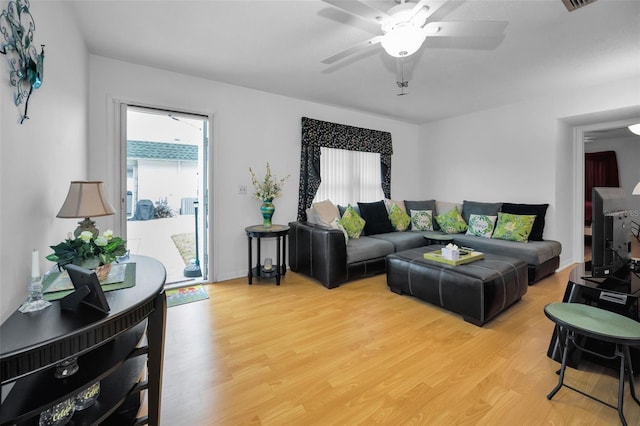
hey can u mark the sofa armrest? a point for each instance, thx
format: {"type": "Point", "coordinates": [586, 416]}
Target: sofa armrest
{"type": "Point", "coordinates": [319, 252]}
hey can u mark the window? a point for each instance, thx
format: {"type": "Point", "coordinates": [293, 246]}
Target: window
{"type": "Point", "coordinates": [349, 176]}
{"type": "Point", "coordinates": [318, 134]}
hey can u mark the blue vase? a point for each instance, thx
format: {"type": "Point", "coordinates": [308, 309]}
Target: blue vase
{"type": "Point", "coordinates": [267, 208]}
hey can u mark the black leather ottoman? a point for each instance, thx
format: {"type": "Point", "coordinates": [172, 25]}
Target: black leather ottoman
{"type": "Point", "coordinates": [478, 291]}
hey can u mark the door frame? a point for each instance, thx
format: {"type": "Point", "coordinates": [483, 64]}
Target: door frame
{"type": "Point", "coordinates": [578, 134]}
{"type": "Point", "coordinates": [118, 110]}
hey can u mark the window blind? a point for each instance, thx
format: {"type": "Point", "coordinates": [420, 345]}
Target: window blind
{"type": "Point", "coordinates": [349, 176]}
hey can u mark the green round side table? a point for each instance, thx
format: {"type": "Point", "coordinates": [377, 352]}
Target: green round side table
{"type": "Point", "coordinates": [576, 319]}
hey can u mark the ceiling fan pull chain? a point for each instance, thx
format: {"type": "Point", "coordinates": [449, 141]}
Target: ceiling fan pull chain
{"type": "Point", "coordinates": [402, 84]}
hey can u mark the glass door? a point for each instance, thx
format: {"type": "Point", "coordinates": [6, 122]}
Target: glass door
{"type": "Point", "coordinates": [166, 190]}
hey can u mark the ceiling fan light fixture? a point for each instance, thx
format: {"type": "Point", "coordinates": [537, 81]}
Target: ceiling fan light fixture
{"type": "Point", "coordinates": [403, 40]}
{"type": "Point", "coordinates": [635, 128]}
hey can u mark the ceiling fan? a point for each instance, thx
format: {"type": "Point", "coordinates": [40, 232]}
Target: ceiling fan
{"type": "Point", "coordinates": [406, 26]}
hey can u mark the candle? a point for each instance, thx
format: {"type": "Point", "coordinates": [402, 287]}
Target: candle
{"type": "Point", "coordinates": [35, 264]}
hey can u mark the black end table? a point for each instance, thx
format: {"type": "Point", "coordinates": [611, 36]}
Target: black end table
{"type": "Point", "coordinates": [438, 237]}
{"type": "Point", "coordinates": [619, 293]}
{"type": "Point", "coordinates": [279, 232]}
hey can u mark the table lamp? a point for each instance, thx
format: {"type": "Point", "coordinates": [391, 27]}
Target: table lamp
{"type": "Point", "coordinates": [636, 190]}
{"type": "Point", "coordinates": [86, 199]}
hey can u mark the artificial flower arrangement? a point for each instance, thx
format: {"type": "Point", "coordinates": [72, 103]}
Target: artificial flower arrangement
{"type": "Point", "coordinates": [88, 250]}
{"type": "Point", "coordinates": [269, 188]}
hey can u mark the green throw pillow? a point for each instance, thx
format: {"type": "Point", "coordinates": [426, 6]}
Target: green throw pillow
{"type": "Point", "coordinates": [451, 222]}
{"type": "Point", "coordinates": [481, 225]}
{"type": "Point", "coordinates": [335, 223]}
{"type": "Point", "coordinates": [399, 218]}
{"type": "Point", "coordinates": [513, 227]}
{"type": "Point", "coordinates": [421, 220]}
{"type": "Point", "coordinates": [352, 222]}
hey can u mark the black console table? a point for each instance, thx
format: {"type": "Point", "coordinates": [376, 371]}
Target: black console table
{"type": "Point", "coordinates": [111, 348]}
{"type": "Point", "coordinates": [619, 293]}
{"type": "Point", "coordinates": [279, 232]}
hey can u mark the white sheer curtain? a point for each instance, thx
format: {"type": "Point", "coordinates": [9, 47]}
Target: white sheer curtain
{"type": "Point", "coordinates": [349, 176]}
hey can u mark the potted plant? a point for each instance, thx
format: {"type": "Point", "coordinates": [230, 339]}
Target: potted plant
{"type": "Point", "coordinates": [89, 251]}
{"type": "Point", "coordinates": [266, 191]}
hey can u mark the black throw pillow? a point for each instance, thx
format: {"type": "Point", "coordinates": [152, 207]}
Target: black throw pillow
{"type": "Point", "coordinates": [376, 218]}
{"type": "Point", "coordinates": [540, 210]}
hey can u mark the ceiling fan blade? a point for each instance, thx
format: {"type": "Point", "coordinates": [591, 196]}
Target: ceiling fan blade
{"type": "Point", "coordinates": [359, 9]}
{"type": "Point", "coordinates": [419, 5]}
{"type": "Point", "coordinates": [465, 29]}
{"type": "Point", "coordinates": [432, 5]}
{"type": "Point", "coordinates": [353, 49]}
{"type": "Point", "coordinates": [420, 12]}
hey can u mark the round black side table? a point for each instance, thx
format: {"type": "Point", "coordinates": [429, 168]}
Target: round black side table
{"type": "Point", "coordinates": [279, 232]}
{"type": "Point", "coordinates": [438, 237]}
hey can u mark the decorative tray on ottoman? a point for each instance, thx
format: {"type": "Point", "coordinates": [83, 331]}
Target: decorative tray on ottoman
{"type": "Point", "coordinates": [465, 257]}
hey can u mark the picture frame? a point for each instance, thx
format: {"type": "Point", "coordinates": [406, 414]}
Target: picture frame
{"type": "Point", "coordinates": [87, 290]}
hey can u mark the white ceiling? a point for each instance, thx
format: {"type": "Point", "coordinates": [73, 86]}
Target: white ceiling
{"type": "Point", "coordinates": [609, 134]}
{"type": "Point", "coordinates": [278, 46]}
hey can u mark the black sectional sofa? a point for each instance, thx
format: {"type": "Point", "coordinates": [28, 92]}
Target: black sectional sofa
{"type": "Point", "coordinates": [320, 251]}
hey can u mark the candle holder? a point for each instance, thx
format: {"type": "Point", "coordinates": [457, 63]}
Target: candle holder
{"type": "Point", "coordinates": [268, 264]}
{"type": "Point", "coordinates": [87, 397]}
{"type": "Point", "coordinates": [34, 301]}
{"type": "Point", "coordinates": [59, 414]}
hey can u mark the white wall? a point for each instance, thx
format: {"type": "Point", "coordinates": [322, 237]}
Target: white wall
{"type": "Point", "coordinates": [518, 153]}
{"type": "Point", "coordinates": [249, 128]}
{"type": "Point", "coordinates": [41, 156]}
{"type": "Point", "coordinates": [170, 179]}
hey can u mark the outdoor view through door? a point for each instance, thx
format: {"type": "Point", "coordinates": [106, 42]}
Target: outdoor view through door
{"type": "Point", "coordinates": [166, 190]}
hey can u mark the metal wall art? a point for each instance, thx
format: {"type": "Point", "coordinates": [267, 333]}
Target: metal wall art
{"type": "Point", "coordinates": [26, 65]}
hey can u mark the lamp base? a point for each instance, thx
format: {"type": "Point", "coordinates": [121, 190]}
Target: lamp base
{"type": "Point", "coordinates": [86, 225]}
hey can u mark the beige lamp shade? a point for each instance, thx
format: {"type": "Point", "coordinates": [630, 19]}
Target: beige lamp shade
{"type": "Point", "coordinates": [636, 190]}
{"type": "Point", "coordinates": [86, 199]}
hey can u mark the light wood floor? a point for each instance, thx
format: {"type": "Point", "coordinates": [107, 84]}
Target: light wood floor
{"type": "Point", "coordinates": [300, 354]}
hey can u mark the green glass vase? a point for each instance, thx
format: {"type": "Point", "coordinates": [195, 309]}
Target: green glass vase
{"type": "Point", "coordinates": [267, 208]}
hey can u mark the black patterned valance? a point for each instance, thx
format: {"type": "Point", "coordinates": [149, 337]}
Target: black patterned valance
{"type": "Point", "coordinates": [341, 136]}
{"type": "Point", "coordinates": [317, 133]}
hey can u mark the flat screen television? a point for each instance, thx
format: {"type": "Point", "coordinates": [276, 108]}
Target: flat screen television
{"type": "Point", "coordinates": [610, 232]}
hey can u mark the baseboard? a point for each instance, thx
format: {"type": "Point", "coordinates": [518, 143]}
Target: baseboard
{"type": "Point", "coordinates": [565, 264]}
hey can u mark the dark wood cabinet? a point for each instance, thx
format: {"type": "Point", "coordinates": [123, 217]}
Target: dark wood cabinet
{"type": "Point", "coordinates": [112, 348]}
